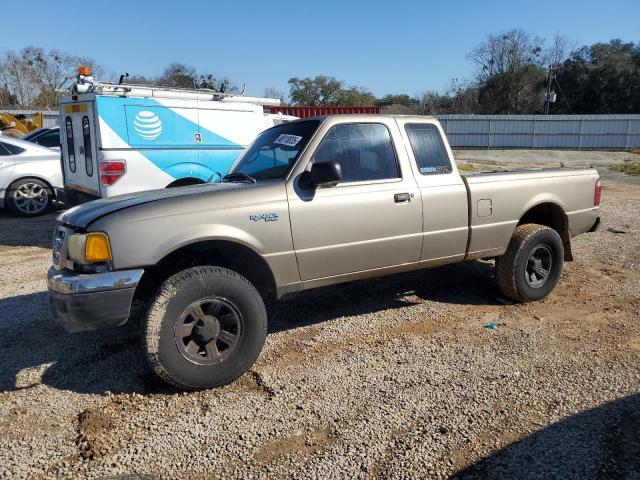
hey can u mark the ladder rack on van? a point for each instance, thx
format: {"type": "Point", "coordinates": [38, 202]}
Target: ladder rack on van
{"type": "Point", "coordinates": [86, 84]}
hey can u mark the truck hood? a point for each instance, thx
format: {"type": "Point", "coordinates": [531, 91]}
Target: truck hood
{"type": "Point", "coordinates": [83, 215]}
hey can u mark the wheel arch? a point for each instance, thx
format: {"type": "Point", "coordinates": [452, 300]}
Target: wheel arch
{"type": "Point", "coordinates": [552, 215]}
{"type": "Point", "coordinates": [35, 177]}
{"type": "Point", "coordinates": [183, 182]}
{"type": "Point", "coordinates": [225, 253]}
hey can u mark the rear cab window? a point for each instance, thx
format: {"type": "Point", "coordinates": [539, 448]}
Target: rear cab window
{"type": "Point", "coordinates": [428, 149]}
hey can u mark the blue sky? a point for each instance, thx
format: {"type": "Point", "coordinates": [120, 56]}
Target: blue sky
{"type": "Point", "coordinates": [387, 46]}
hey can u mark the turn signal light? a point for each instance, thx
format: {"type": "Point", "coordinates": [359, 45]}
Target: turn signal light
{"type": "Point", "coordinates": [597, 194]}
{"type": "Point", "coordinates": [97, 248]}
{"type": "Point", "coordinates": [84, 70]}
{"type": "Point", "coordinates": [111, 171]}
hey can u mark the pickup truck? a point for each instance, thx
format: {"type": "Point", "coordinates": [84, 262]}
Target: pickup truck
{"type": "Point", "coordinates": [309, 203]}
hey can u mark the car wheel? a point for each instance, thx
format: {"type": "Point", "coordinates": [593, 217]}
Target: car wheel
{"type": "Point", "coordinates": [205, 328]}
{"type": "Point", "coordinates": [531, 267]}
{"type": "Point", "coordinates": [29, 197]}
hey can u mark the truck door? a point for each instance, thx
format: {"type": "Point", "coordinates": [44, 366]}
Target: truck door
{"type": "Point", "coordinates": [372, 219]}
{"type": "Point", "coordinates": [79, 148]}
{"type": "Point", "coordinates": [444, 195]}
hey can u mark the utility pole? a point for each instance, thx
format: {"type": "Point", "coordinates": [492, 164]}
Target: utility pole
{"type": "Point", "coordinates": [549, 94]}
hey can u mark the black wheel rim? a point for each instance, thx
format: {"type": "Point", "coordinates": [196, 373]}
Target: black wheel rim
{"type": "Point", "coordinates": [208, 331]}
{"type": "Point", "coordinates": [539, 265]}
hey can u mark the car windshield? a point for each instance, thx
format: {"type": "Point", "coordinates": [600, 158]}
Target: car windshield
{"type": "Point", "coordinates": [274, 151]}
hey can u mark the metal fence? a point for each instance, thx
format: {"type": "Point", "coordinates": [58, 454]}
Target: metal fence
{"type": "Point", "coordinates": [572, 132]}
{"type": "Point", "coordinates": [575, 132]}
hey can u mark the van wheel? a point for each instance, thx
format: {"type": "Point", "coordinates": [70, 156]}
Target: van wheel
{"type": "Point", "coordinates": [205, 328]}
{"type": "Point", "coordinates": [532, 264]}
{"type": "Point", "coordinates": [29, 197]}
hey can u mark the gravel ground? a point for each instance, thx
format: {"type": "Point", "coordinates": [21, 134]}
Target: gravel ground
{"type": "Point", "coordinates": [390, 378]}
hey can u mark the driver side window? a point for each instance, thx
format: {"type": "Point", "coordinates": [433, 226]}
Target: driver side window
{"type": "Point", "coordinates": [363, 150]}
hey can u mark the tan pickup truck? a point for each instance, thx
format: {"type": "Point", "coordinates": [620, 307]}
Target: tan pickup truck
{"type": "Point", "coordinates": [310, 203]}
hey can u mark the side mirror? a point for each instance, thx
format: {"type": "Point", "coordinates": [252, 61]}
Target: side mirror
{"type": "Point", "coordinates": [323, 174]}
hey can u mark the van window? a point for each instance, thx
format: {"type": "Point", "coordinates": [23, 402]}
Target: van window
{"type": "Point", "coordinates": [86, 137]}
{"type": "Point", "coordinates": [426, 143]}
{"type": "Point", "coordinates": [3, 151]}
{"type": "Point", "coordinates": [71, 149]}
{"type": "Point", "coordinates": [363, 150]}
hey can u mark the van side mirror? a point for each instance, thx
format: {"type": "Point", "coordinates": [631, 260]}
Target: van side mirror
{"type": "Point", "coordinates": [323, 174]}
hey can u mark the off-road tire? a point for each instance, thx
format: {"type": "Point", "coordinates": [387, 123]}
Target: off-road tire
{"type": "Point", "coordinates": [47, 195]}
{"type": "Point", "coordinates": [173, 298]}
{"type": "Point", "coordinates": [511, 267]}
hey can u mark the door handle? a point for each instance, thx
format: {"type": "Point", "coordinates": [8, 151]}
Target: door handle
{"type": "Point", "coordinates": [402, 197]}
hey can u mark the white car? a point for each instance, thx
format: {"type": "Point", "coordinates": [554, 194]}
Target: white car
{"type": "Point", "coordinates": [29, 176]}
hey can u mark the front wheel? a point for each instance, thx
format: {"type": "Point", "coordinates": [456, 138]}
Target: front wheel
{"type": "Point", "coordinates": [205, 328]}
{"type": "Point", "coordinates": [29, 197]}
{"type": "Point", "coordinates": [532, 264]}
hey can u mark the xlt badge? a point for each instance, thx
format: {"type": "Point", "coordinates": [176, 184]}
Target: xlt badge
{"type": "Point", "coordinates": [267, 217]}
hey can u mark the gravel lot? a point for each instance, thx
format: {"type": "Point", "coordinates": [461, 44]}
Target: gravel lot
{"type": "Point", "coordinates": [389, 378]}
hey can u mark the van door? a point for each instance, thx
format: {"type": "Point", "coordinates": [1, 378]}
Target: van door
{"type": "Point", "coordinates": [224, 132]}
{"type": "Point", "coordinates": [79, 148]}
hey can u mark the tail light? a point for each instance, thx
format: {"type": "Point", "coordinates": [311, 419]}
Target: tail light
{"type": "Point", "coordinates": [597, 194]}
{"type": "Point", "coordinates": [111, 171]}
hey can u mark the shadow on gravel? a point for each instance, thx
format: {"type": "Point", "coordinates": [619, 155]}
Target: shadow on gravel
{"type": "Point", "coordinates": [469, 283]}
{"type": "Point", "coordinates": [599, 443]}
{"type": "Point", "coordinates": [26, 232]}
{"type": "Point", "coordinates": [111, 360]}
{"type": "Point", "coordinates": [87, 362]}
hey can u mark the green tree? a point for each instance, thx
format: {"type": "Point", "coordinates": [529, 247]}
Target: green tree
{"type": "Point", "coordinates": [321, 90]}
{"type": "Point", "coordinates": [601, 78]}
{"type": "Point", "coordinates": [355, 97]}
{"type": "Point", "coordinates": [401, 99]}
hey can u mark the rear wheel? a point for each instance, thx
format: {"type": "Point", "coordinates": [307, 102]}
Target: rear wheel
{"type": "Point", "coordinates": [205, 328]}
{"type": "Point", "coordinates": [532, 264]}
{"type": "Point", "coordinates": [29, 197]}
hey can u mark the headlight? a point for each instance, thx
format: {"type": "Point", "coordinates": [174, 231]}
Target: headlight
{"type": "Point", "coordinates": [89, 247]}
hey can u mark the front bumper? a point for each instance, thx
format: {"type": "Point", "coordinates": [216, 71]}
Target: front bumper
{"type": "Point", "coordinates": [91, 301]}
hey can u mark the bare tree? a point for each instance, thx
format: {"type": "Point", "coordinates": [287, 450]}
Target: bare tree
{"type": "Point", "coordinates": [559, 50]}
{"type": "Point", "coordinates": [509, 71]}
{"type": "Point", "coordinates": [35, 78]}
{"type": "Point", "coordinates": [273, 92]}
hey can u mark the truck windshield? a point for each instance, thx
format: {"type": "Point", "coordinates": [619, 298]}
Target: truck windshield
{"type": "Point", "coordinates": [274, 151]}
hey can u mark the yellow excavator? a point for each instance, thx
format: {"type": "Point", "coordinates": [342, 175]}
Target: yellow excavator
{"type": "Point", "coordinates": [18, 125]}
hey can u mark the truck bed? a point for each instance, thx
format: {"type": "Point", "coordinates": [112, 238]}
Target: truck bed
{"type": "Point", "coordinates": [499, 200]}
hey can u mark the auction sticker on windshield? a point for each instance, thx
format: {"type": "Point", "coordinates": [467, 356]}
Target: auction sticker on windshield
{"type": "Point", "coordinates": [288, 140]}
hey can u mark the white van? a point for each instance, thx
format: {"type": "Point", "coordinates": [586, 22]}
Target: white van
{"type": "Point", "coordinates": [119, 138]}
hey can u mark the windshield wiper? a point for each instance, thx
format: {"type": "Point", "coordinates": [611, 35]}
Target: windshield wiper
{"type": "Point", "coordinates": [241, 176]}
